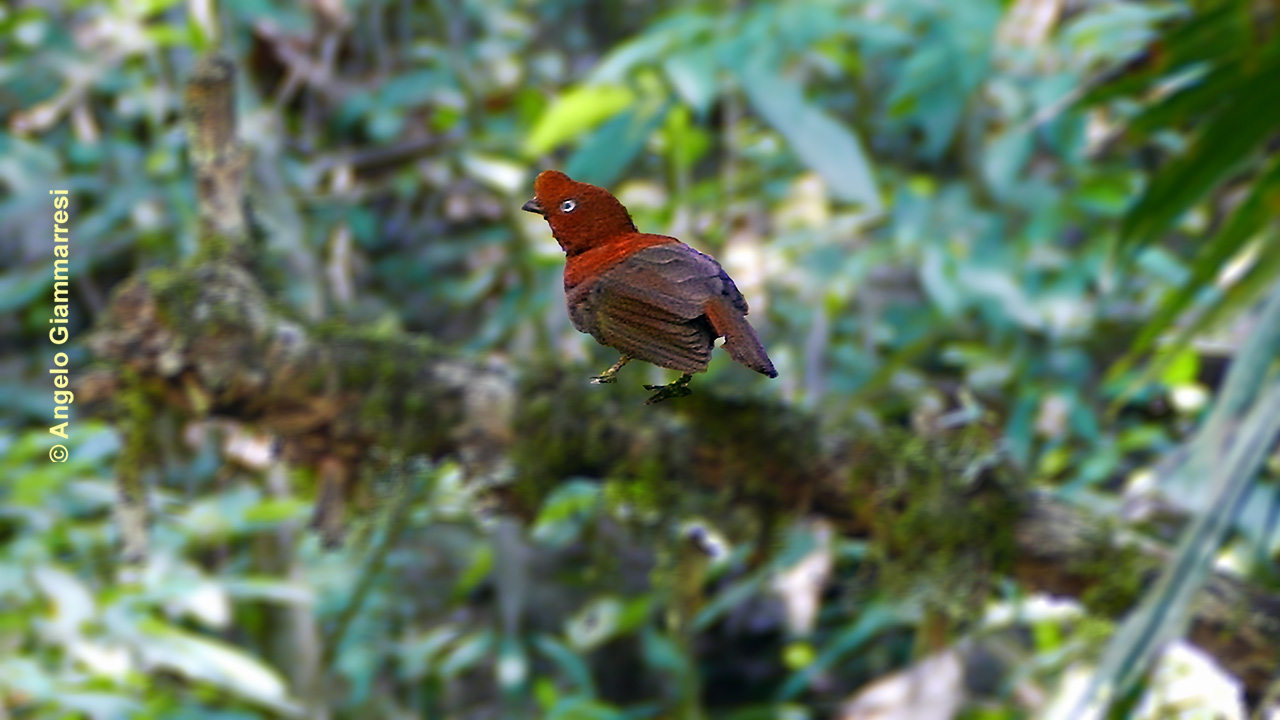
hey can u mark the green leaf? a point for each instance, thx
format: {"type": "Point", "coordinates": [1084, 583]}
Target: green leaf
{"type": "Point", "coordinates": [1107, 32]}
{"type": "Point", "coordinates": [603, 157]}
{"type": "Point", "coordinates": [385, 123]}
{"type": "Point", "coordinates": [571, 665]}
{"type": "Point", "coordinates": [1243, 224]}
{"type": "Point", "coordinates": [1194, 100]}
{"type": "Point", "coordinates": [927, 94]}
{"type": "Point", "coordinates": [1218, 150]}
{"type": "Point", "coordinates": [284, 592]}
{"type": "Point", "coordinates": [823, 144]}
{"type": "Point", "coordinates": [273, 511]}
{"type": "Point", "coordinates": [1242, 294]}
{"type": "Point", "coordinates": [874, 620]}
{"type": "Point", "coordinates": [565, 511]}
{"type": "Point", "coordinates": [19, 287]}
{"type": "Point", "coordinates": [224, 666]}
{"type": "Point", "coordinates": [166, 35]}
{"type": "Point", "coordinates": [1220, 33]}
{"type": "Point", "coordinates": [655, 43]}
{"type": "Point", "coordinates": [579, 708]}
{"type": "Point", "coordinates": [26, 676]}
{"type": "Point", "coordinates": [693, 75]}
{"type": "Point", "coordinates": [72, 601]}
{"type": "Point", "coordinates": [418, 654]}
{"type": "Point", "coordinates": [511, 665]}
{"type": "Point", "coordinates": [467, 653]}
{"type": "Point", "coordinates": [1229, 449]}
{"type": "Point", "coordinates": [289, 18]}
{"type": "Point", "coordinates": [1006, 154]}
{"type": "Point", "coordinates": [411, 88]}
{"type": "Point", "coordinates": [686, 143]}
{"type": "Point", "coordinates": [576, 112]}
{"type": "Point", "coordinates": [662, 653]}
{"type": "Point", "coordinates": [477, 571]}
{"type": "Point", "coordinates": [1181, 368]}
{"type": "Point", "coordinates": [728, 599]}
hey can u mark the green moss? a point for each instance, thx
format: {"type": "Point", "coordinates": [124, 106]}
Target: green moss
{"type": "Point", "coordinates": [215, 247]}
{"type": "Point", "coordinates": [178, 291]}
{"type": "Point", "coordinates": [557, 434]}
{"type": "Point", "coordinates": [744, 466]}
{"type": "Point", "coordinates": [1116, 574]}
{"type": "Point", "coordinates": [942, 512]}
{"type": "Point", "coordinates": [134, 408]}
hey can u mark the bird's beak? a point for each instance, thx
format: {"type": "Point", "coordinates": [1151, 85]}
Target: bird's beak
{"type": "Point", "coordinates": [533, 206]}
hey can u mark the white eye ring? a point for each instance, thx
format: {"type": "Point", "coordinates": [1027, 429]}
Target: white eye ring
{"type": "Point", "coordinates": [568, 206]}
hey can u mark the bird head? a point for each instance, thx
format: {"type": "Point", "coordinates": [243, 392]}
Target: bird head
{"type": "Point", "coordinates": [581, 216]}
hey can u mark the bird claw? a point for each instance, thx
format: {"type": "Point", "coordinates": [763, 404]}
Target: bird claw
{"type": "Point", "coordinates": [679, 388]}
{"type": "Point", "coordinates": [610, 376]}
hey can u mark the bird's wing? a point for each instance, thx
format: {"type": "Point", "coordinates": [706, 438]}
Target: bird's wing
{"type": "Point", "coordinates": [679, 280]}
{"type": "Point", "coordinates": [653, 335]}
{"type": "Point", "coordinates": [653, 306]}
{"type": "Point", "coordinates": [673, 277]}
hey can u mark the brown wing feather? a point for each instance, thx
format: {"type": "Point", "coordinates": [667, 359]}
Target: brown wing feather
{"type": "Point", "coordinates": [648, 333]}
{"type": "Point", "coordinates": [661, 305]}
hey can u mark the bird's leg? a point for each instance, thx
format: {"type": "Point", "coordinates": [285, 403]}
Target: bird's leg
{"type": "Point", "coordinates": [679, 388]}
{"type": "Point", "coordinates": [611, 375]}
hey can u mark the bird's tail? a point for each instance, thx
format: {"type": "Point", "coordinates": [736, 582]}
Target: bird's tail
{"type": "Point", "coordinates": [740, 339]}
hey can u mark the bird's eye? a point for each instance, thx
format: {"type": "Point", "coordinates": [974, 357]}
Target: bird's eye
{"type": "Point", "coordinates": [568, 206]}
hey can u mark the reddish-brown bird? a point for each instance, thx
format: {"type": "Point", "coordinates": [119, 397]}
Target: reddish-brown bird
{"type": "Point", "coordinates": [650, 297]}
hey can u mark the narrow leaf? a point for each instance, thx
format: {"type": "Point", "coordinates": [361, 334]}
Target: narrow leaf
{"type": "Point", "coordinates": [874, 620]}
{"type": "Point", "coordinates": [693, 75]}
{"type": "Point", "coordinates": [679, 29]}
{"type": "Point", "coordinates": [1244, 223]}
{"type": "Point", "coordinates": [219, 664]}
{"type": "Point", "coordinates": [823, 144]}
{"type": "Point", "coordinates": [1218, 33]}
{"type": "Point", "coordinates": [602, 157]}
{"type": "Point", "coordinates": [576, 112]}
{"type": "Point", "coordinates": [1194, 100]}
{"type": "Point", "coordinates": [1229, 449]}
{"type": "Point", "coordinates": [1223, 143]}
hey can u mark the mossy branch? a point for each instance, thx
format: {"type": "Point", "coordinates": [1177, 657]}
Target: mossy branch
{"type": "Point", "coordinates": [219, 161]}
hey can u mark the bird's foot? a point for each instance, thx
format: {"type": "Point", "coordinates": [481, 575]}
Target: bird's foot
{"type": "Point", "coordinates": [611, 375]}
{"type": "Point", "coordinates": [679, 388]}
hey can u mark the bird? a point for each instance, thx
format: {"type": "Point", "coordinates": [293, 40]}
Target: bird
{"type": "Point", "coordinates": [650, 297]}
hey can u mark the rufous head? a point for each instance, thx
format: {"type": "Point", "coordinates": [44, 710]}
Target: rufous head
{"type": "Point", "coordinates": [581, 216]}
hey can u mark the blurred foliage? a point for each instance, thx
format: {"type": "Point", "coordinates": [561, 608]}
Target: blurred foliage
{"type": "Point", "coordinates": [979, 205]}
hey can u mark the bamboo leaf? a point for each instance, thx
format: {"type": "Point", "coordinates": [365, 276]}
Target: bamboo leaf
{"type": "Point", "coordinates": [1221, 145]}
{"type": "Point", "coordinates": [1244, 223]}
{"type": "Point", "coordinates": [1196, 99]}
{"type": "Point", "coordinates": [1219, 33]}
{"type": "Point", "coordinates": [1229, 449]}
